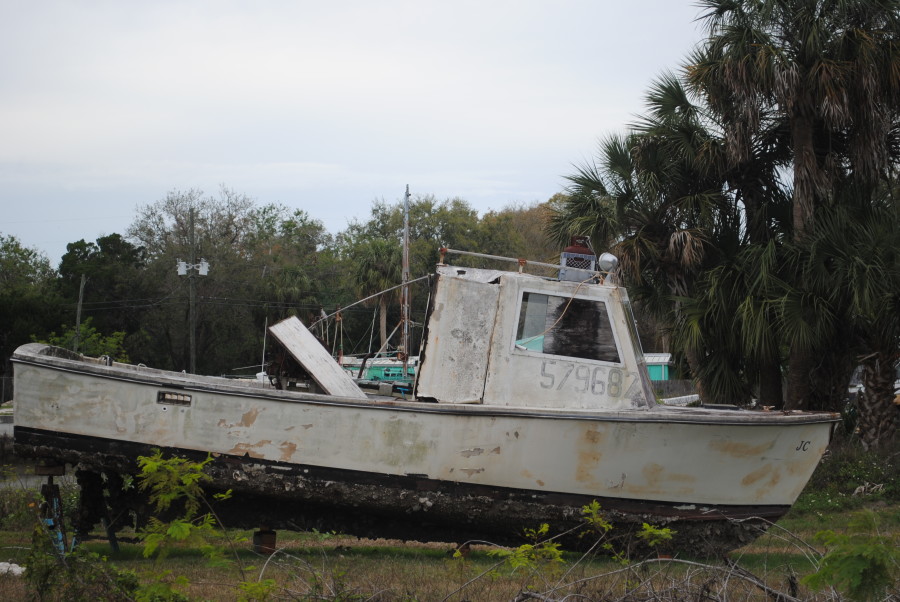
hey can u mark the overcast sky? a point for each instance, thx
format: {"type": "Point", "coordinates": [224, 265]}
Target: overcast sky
{"type": "Point", "coordinates": [323, 106]}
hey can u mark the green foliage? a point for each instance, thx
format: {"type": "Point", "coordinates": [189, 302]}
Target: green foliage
{"type": "Point", "coordinates": [849, 477]}
{"type": "Point", "coordinates": [257, 591]}
{"type": "Point", "coordinates": [28, 303]}
{"type": "Point", "coordinates": [78, 575]}
{"type": "Point", "coordinates": [594, 519]}
{"type": "Point", "coordinates": [540, 555]}
{"type": "Point", "coordinates": [178, 480]}
{"type": "Point", "coordinates": [170, 479]}
{"type": "Point", "coordinates": [862, 563]}
{"type": "Point", "coordinates": [655, 536]}
{"type": "Point", "coordinates": [17, 508]}
{"type": "Point", "coordinates": [90, 341]}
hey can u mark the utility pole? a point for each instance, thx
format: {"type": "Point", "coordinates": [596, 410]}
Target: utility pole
{"type": "Point", "coordinates": [404, 306]}
{"type": "Point", "coordinates": [189, 269]}
{"type": "Point", "coordinates": [78, 313]}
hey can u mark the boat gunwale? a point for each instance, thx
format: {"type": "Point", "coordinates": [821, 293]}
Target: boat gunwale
{"type": "Point", "coordinates": [658, 414]}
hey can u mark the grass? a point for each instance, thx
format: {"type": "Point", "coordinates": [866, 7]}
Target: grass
{"type": "Point", "coordinates": [328, 566]}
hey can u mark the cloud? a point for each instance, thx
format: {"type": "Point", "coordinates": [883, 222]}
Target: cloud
{"type": "Point", "coordinates": [113, 102]}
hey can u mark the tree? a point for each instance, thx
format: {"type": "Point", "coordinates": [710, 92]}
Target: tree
{"type": "Point", "coordinates": [829, 67]}
{"type": "Point", "coordinates": [290, 248]}
{"type": "Point", "coordinates": [377, 267]}
{"type": "Point", "coordinates": [90, 341]}
{"type": "Point", "coordinates": [518, 230]}
{"type": "Point", "coordinates": [189, 226]}
{"type": "Point", "coordinates": [657, 199]}
{"type": "Point", "coordinates": [856, 240]}
{"type": "Point", "coordinates": [28, 303]}
{"type": "Point", "coordinates": [115, 291]}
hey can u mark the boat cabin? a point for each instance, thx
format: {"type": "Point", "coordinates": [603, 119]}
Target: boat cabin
{"type": "Point", "coordinates": [514, 339]}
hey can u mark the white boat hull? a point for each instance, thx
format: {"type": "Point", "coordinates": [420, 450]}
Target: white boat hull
{"type": "Point", "coordinates": [459, 469]}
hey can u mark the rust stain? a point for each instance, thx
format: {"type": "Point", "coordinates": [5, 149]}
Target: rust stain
{"type": "Point", "coordinates": [740, 450]}
{"type": "Point", "coordinates": [765, 486]}
{"type": "Point", "coordinates": [657, 480]}
{"type": "Point", "coordinates": [249, 449]}
{"type": "Point", "coordinates": [526, 473]}
{"type": "Point", "coordinates": [288, 449]}
{"type": "Point", "coordinates": [756, 475]}
{"type": "Point", "coordinates": [594, 437]}
{"type": "Point", "coordinates": [468, 453]}
{"type": "Point", "coordinates": [496, 450]}
{"type": "Point", "coordinates": [540, 482]}
{"type": "Point", "coordinates": [249, 417]}
{"type": "Point", "coordinates": [652, 474]}
{"type": "Point", "coordinates": [588, 456]}
{"type": "Point", "coordinates": [470, 471]}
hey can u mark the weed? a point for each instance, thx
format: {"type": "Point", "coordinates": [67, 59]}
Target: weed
{"type": "Point", "coordinates": [864, 563]}
{"type": "Point", "coordinates": [849, 478]}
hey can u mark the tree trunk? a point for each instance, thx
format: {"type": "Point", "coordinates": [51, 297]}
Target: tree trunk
{"type": "Point", "coordinates": [878, 414]}
{"type": "Point", "coordinates": [806, 176]}
{"type": "Point", "coordinates": [382, 320]}
{"type": "Point", "coordinates": [799, 386]}
{"type": "Point", "coordinates": [693, 360]}
{"type": "Point", "coordinates": [771, 392]}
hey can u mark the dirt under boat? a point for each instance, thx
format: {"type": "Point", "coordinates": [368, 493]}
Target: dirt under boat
{"type": "Point", "coordinates": [531, 400]}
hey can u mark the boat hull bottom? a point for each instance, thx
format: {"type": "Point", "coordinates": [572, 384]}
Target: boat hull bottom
{"type": "Point", "coordinates": [297, 497]}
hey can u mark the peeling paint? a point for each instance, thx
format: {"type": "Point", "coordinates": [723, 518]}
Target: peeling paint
{"type": "Point", "coordinates": [468, 453]}
{"type": "Point", "coordinates": [249, 417]}
{"type": "Point", "coordinates": [288, 449]}
{"type": "Point", "coordinates": [249, 449]}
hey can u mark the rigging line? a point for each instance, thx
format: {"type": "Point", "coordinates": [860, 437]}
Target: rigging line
{"type": "Point", "coordinates": [370, 297]}
{"type": "Point", "coordinates": [384, 345]}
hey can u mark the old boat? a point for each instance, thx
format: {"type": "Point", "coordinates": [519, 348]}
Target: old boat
{"type": "Point", "coordinates": [387, 368]}
{"type": "Point", "coordinates": [532, 399]}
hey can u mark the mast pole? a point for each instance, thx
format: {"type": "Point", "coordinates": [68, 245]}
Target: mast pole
{"type": "Point", "coordinates": [405, 279]}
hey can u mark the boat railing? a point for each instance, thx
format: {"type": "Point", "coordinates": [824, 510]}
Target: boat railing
{"type": "Point", "coordinates": [520, 261]}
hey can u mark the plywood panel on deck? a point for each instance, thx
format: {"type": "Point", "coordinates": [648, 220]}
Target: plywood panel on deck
{"type": "Point", "coordinates": [315, 359]}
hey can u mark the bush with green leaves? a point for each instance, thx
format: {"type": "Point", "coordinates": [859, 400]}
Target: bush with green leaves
{"type": "Point", "coordinates": [863, 563]}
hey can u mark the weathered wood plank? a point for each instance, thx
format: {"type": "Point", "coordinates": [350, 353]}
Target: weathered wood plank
{"type": "Point", "coordinates": [315, 359]}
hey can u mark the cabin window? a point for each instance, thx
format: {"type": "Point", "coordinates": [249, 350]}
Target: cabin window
{"type": "Point", "coordinates": [570, 327]}
{"type": "Point", "coordinates": [174, 399]}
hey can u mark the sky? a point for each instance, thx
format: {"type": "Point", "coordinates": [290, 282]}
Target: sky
{"type": "Point", "coordinates": [107, 106]}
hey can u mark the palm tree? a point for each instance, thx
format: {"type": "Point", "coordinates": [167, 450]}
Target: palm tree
{"type": "Point", "coordinates": [830, 68]}
{"type": "Point", "coordinates": [377, 267]}
{"type": "Point", "coordinates": [852, 260]}
{"type": "Point", "coordinates": [673, 205]}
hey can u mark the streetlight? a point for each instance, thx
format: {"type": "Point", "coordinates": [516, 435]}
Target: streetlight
{"type": "Point", "coordinates": [188, 269]}
{"type": "Point", "coordinates": [183, 267]}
